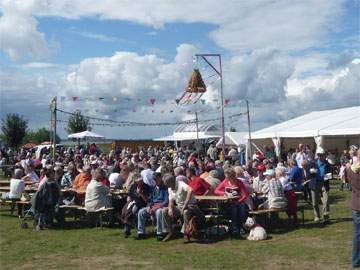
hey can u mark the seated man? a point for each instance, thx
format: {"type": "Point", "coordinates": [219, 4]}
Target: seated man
{"type": "Point", "coordinates": [17, 185]}
{"type": "Point", "coordinates": [138, 197]}
{"type": "Point", "coordinates": [181, 203]}
{"type": "Point", "coordinates": [97, 194]}
{"type": "Point", "coordinates": [45, 199]}
{"type": "Point", "coordinates": [68, 178]}
{"type": "Point", "coordinates": [115, 179]}
{"type": "Point", "coordinates": [159, 198]}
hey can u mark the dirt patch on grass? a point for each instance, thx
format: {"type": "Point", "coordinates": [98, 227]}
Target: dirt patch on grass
{"type": "Point", "coordinates": [117, 260]}
{"type": "Point", "coordinates": [283, 262]}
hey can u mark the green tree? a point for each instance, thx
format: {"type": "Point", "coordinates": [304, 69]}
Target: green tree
{"type": "Point", "coordinates": [78, 123]}
{"type": "Point", "coordinates": [14, 129]}
{"type": "Point", "coordinates": [41, 135]}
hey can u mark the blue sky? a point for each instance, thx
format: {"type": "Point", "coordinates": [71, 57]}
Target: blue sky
{"type": "Point", "coordinates": [274, 52]}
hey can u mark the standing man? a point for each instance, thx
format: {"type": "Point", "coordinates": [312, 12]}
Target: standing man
{"type": "Point", "coordinates": [353, 174]}
{"type": "Point", "coordinates": [323, 168]}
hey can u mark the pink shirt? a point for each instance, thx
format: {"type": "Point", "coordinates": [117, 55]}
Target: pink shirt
{"type": "Point", "coordinates": [220, 190]}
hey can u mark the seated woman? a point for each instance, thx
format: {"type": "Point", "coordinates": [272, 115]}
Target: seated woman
{"type": "Point", "coordinates": [138, 197]}
{"type": "Point", "coordinates": [232, 187]}
{"type": "Point", "coordinates": [97, 194]}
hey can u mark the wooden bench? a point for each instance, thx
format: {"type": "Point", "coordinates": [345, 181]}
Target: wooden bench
{"type": "Point", "coordinates": [99, 213]}
{"type": "Point", "coordinates": [300, 208]}
{"type": "Point", "coordinates": [13, 203]}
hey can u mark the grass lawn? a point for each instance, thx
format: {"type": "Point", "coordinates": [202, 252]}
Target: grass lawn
{"type": "Point", "coordinates": [307, 247]}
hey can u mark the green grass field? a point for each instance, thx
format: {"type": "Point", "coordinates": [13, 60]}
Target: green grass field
{"type": "Point", "coordinates": [307, 247]}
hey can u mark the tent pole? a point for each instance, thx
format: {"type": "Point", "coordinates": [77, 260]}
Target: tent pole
{"type": "Point", "coordinates": [219, 72]}
{"type": "Point", "coordinates": [249, 127]}
{"type": "Point", "coordinates": [197, 133]}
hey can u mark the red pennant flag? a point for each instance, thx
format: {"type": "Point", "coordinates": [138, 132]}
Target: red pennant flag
{"type": "Point", "coordinates": [74, 98]}
{"type": "Point", "coordinates": [226, 102]}
{"type": "Point", "coordinates": [152, 101]}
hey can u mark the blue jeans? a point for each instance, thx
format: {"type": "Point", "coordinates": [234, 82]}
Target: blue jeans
{"type": "Point", "coordinates": [239, 214]}
{"type": "Point", "coordinates": [143, 215]}
{"type": "Point", "coordinates": [356, 239]}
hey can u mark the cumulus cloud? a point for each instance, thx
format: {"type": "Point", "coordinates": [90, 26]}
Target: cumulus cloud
{"type": "Point", "coordinates": [19, 32]}
{"type": "Point", "coordinates": [241, 26]}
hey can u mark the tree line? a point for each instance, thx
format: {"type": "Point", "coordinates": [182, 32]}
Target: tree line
{"type": "Point", "coordinates": [16, 132]}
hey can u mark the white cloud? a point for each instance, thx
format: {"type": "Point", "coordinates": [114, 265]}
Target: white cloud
{"type": "Point", "coordinates": [97, 36]}
{"type": "Point", "coordinates": [241, 25]}
{"type": "Point", "coordinates": [40, 65]}
{"type": "Point", "coordinates": [18, 31]}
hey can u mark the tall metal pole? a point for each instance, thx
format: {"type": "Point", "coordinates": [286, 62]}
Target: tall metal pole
{"type": "Point", "coordinates": [219, 72]}
{"type": "Point", "coordinates": [222, 108]}
{"type": "Point", "coordinates": [54, 127]}
{"type": "Point", "coordinates": [197, 133]}
{"type": "Point", "coordinates": [249, 127]}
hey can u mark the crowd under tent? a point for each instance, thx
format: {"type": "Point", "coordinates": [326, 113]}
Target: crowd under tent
{"type": "Point", "coordinates": [322, 130]}
{"type": "Point", "coordinates": [187, 134]}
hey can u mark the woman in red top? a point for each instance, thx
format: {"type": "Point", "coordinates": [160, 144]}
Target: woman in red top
{"type": "Point", "coordinates": [237, 208]}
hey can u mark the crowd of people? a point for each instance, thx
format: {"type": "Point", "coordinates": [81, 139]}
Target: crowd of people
{"type": "Point", "coordinates": [162, 183]}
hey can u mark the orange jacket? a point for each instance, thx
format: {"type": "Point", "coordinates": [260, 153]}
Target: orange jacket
{"type": "Point", "coordinates": [81, 181]}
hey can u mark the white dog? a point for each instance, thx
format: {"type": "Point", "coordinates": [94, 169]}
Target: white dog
{"type": "Point", "coordinates": [256, 231]}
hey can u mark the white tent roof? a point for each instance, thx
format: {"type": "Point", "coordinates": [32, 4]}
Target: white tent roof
{"type": "Point", "coordinates": [337, 122]}
{"type": "Point", "coordinates": [85, 134]}
{"type": "Point", "coordinates": [233, 138]}
{"type": "Point", "coordinates": [188, 133]}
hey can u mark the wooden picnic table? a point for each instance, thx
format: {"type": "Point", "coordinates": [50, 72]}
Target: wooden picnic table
{"type": "Point", "coordinates": [215, 198]}
{"type": "Point", "coordinates": [122, 192]}
{"type": "Point", "coordinates": [27, 189]}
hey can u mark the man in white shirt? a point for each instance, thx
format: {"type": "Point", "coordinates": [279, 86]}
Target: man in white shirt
{"type": "Point", "coordinates": [182, 195]}
{"type": "Point", "coordinates": [115, 178]}
{"type": "Point", "coordinates": [147, 175]}
{"type": "Point", "coordinates": [17, 185]}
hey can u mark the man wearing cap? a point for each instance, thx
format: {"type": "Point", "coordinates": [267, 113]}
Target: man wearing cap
{"type": "Point", "coordinates": [353, 174]}
{"type": "Point", "coordinates": [274, 191]}
{"type": "Point", "coordinates": [68, 177]}
{"type": "Point", "coordinates": [258, 181]}
{"type": "Point", "coordinates": [138, 197]}
{"type": "Point", "coordinates": [147, 175]}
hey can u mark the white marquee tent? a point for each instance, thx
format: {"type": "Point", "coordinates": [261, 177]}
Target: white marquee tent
{"type": "Point", "coordinates": [85, 135]}
{"type": "Point", "coordinates": [188, 133]}
{"type": "Point", "coordinates": [325, 130]}
{"type": "Point", "coordinates": [233, 139]}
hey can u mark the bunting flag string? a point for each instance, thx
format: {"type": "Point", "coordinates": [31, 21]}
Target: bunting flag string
{"type": "Point", "coordinates": [110, 122]}
{"type": "Point", "coordinates": [139, 101]}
